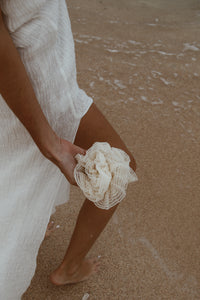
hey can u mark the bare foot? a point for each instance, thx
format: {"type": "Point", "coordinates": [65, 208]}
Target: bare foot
{"type": "Point", "coordinates": [51, 227]}
{"type": "Point", "coordinates": [87, 268]}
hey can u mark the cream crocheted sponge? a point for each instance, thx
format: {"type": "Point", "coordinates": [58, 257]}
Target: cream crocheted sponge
{"type": "Point", "coordinates": [103, 174]}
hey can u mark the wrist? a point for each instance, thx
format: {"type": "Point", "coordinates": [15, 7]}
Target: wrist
{"type": "Point", "coordinates": [50, 146]}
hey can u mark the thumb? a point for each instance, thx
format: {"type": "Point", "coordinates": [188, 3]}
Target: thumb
{"type": "Point", "coordinates": [79, 150]}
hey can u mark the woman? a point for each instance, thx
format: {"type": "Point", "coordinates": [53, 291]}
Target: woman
{"type": "Point", "coordinates": [45, 120]}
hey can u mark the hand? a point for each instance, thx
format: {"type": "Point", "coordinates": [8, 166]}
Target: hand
{"type": "Point", "coordinates": [63, 157]}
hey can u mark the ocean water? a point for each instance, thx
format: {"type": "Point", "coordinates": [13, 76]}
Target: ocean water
{"type": "Point", "coordinates": [148, 55]}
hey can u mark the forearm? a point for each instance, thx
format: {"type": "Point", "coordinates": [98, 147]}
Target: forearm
{"type": "Point", "coordinates": [17, 91]}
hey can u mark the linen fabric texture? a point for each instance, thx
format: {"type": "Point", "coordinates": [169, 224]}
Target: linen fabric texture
{"type": "Point", "coordinates": [30, 185]}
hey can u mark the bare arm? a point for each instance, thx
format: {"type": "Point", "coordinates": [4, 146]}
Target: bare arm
{"type": "Point", "coordinates": [17, 91]}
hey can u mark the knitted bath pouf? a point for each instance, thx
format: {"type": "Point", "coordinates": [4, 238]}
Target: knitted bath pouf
{"type": "Point", "coordinates": [103, 174]}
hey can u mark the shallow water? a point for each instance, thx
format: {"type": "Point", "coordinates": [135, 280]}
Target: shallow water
{"type": "Point", "coordinates": [157, 43]}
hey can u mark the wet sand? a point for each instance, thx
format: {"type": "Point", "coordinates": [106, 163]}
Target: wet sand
{"type": "Point", "coordinates": [139, 60]}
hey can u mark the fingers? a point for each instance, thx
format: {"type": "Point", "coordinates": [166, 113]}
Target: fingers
{"type": "Point", "coordinates": [68, 162]}
{"type": "Point", "coordinates": [73, 183]}
{"type": "Point", "coordinates": [76, 150]}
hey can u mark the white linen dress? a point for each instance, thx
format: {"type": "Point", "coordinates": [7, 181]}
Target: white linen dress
{"type": "Point", "coordinates": [30, 185]}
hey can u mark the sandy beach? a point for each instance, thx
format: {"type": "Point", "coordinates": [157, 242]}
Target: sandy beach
{"type": "Point", "coordinates": [140, 62]}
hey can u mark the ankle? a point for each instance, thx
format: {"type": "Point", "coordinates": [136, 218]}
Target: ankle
{"type": "Point", "coordinates": [71, 267]}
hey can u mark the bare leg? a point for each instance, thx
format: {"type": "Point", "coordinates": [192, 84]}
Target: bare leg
{"type": "Point", "coordinates": [91, 219]}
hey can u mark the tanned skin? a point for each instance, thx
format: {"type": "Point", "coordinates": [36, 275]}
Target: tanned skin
{"type": "Point", "coordinates": [17, 91]}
